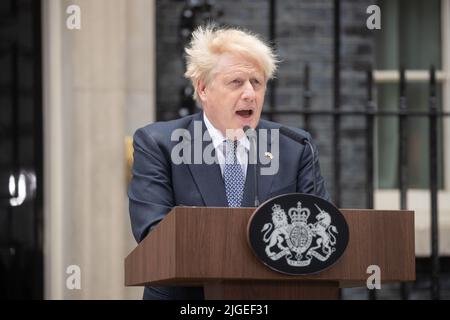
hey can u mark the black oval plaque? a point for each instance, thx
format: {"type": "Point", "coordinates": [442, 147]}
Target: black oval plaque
{"type": "Point", "coordinates": [298, 233]}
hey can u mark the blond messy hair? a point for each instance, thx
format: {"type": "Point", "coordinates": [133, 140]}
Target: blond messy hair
{"type": "Point", "coordinates": [209, 42]}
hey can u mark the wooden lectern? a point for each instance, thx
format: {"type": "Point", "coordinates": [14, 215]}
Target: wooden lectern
{"type": "Point", "coordinates": [204, 246]}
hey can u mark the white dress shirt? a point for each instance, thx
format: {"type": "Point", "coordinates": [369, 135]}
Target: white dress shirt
{"type": "Point", "coordinates": [218, 141]}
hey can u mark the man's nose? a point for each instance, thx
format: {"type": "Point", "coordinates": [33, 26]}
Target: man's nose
{"type": "Point", "coordinates": [249, 92]}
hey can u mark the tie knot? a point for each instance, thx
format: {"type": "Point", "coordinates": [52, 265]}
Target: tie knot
{"type": "Point", "coordinates": [230, 146]}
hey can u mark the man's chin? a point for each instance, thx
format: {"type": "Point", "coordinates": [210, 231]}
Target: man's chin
{"type": "Point", "coordinates": [252, 122]}
{"type": "Point", "coordinates": [234, 133]}
{"type": "Point", "coordinates": [237, 131]}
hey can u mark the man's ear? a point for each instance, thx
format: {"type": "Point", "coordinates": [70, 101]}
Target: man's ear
{"type": "Point", "coordinates": [201, 90]}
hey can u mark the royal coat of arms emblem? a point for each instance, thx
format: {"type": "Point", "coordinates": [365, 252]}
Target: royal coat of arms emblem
{"type": "Point", "coordinates": [298, 235]}
{"type": "Point", "coordinates": [303, 238]}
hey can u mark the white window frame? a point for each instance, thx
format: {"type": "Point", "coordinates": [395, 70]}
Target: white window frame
{"type": "Point", "coordinates": [419, 199]}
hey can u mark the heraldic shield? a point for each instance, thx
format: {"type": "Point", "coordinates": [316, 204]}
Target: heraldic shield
{"type": "Point", "coordinates": [298, 233]}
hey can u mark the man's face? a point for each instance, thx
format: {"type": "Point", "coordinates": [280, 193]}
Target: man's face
{"type": "Point", "coordinates": [235, 95]}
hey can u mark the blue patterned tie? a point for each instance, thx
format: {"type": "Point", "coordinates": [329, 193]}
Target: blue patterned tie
{"type": "Point", "coordinates": [233, 175]}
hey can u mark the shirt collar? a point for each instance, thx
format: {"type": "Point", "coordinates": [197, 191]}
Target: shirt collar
{"type": "Point", "coordinates": [217, 136]}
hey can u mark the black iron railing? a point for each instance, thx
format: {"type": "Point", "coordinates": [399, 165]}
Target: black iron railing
{"type": "Point", "coordinates": [403, 114]}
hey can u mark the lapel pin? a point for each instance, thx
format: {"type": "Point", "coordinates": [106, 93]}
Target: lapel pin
{"type": "Point", "coordinates": [268, 155]}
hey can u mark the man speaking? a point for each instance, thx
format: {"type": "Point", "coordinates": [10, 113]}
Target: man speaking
{"type": "Point", "coordinates": [229, 69]}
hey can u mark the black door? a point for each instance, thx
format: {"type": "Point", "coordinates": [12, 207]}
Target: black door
{"type": "Point", "coordinates": [21, 263]}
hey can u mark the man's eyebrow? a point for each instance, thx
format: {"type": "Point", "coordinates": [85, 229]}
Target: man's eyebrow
{"type": "Point", "coordinates": [232, 74]}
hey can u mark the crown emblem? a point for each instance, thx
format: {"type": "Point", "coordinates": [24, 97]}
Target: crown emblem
{"type": "Point", "coordinates": [299, 214]}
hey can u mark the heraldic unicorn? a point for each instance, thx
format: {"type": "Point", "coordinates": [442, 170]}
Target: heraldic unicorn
{"type": "Point", "coordinates": [299, 241]}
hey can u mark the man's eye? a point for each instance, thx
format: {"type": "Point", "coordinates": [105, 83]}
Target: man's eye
{"type": "Point", "coordinates": [256, 82]}
{"type": "Point", "coordinates": [237, 81]}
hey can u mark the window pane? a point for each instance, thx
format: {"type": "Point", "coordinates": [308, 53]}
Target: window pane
{"type": "Point", "coordinates": [387, 96]}
{"type": "Point", "coordinates": [417, 133]}
{"type": "Point", "coordinates": [410, 34]}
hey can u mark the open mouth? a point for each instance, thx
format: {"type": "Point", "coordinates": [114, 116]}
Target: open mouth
{"type": "Point", "coordinates": [247, 113]}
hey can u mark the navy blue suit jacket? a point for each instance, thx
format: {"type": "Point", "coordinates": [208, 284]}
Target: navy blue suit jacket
{"type": "Point", "coordinates": [158, 184]}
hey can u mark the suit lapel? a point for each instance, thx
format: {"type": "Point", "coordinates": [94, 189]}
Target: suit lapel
{"type": "Point", "coordinates": [207, 177]}
{"type": "Point", "coordinates": [264, 181]}
{"type": "Point", "coordinates": [248, 200]}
